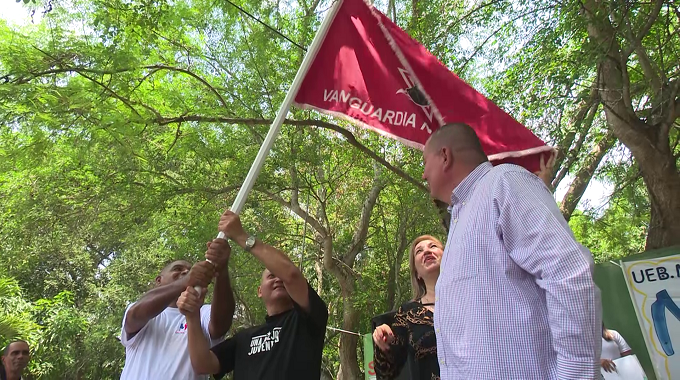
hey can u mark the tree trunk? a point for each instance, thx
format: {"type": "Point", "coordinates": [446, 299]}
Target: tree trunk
{"type": "Point", "coordinates": [349, 361]}
{"type": "Point", "coordinates": [567, 154]}
{"type": "Point", "coordinates": [653, 156]}
{"type": "Point", "coordinates": [585, 174]}
{"type": "Point", "coordinates": [647, 138]}
{"type": "Point", "coordinates": [395, 268]}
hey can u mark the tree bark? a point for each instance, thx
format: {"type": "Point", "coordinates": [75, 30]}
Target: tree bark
{"type": "Point", "coordinates": [566, 154]}
{"type": "Point", "coordinates": [395, 268]}
{"type": "Point", "coordinates": [349, 361]}
{"type": "Point", "coordinates": [648, 139]}
{"type": "Point", "coordinates": [585, 174]}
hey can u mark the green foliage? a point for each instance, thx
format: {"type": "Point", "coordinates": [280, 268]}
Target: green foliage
{"type": "Point", "coordinates": [126, 127]}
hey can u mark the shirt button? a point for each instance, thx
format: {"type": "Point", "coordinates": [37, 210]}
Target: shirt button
{"type": "Point", "coordinates": [437, 331]}
{"type": "Point", "coordinates": [442, 361]}
{"type": "Point", "coordinates": [455, 220]}
{"type": "Point", "coordinates": [436, 299]}
{"type": "Point", "coordinates": [463, 203]}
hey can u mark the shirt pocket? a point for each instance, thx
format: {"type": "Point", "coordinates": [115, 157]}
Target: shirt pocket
{"type": "Point", "coordinates": [460, 266]}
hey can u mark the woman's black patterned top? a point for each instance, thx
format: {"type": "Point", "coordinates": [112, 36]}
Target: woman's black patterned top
{"type": "Point", "coordinates": [414, 343]}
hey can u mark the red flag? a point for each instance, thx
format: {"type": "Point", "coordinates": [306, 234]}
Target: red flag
{"type": "Point", "coordinates": [371, 72]}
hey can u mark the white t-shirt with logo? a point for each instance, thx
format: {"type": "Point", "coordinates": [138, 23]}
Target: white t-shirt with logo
{"type": "Point", "coordinates": [160, 350]}
{"type": "Point", "coordinates": [614, 348]}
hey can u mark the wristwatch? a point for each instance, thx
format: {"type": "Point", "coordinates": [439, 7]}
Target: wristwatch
{"type": "Point", "coordinates": [250, 243]}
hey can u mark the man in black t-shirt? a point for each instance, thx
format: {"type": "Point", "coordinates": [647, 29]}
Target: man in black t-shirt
{"type": "Point", "coordinates": [290, 342]}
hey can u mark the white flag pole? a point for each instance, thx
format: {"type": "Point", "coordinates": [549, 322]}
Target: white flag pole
{"type": "Point", "coordinates": [275, 128]}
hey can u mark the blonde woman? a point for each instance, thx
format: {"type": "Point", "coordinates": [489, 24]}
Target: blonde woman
{"type": "Point", "coordinates": [410, 337]}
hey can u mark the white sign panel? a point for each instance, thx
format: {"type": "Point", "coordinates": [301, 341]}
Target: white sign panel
{"type": "Point", "coordinates": [627, 368]}
{"type": "Point", "coordinates": [654, 286]}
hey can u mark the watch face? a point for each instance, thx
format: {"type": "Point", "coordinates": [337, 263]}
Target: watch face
{"type": "Point", "coordinates": [250, 242]}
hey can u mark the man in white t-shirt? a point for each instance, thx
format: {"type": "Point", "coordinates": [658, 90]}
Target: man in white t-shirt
{"type": "Point", "coordinates": [154, 332]}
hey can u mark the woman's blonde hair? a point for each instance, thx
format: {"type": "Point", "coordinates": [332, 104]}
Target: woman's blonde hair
{"type": "Point", "coordinates": [418, 284]}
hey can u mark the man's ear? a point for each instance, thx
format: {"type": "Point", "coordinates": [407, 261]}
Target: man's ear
{"type": "Point", "coordinates": [447, 157]}
{"type": "Point", "coordinates": [259, 292]}
{"type": "Point", "coordinates": [158, 280]}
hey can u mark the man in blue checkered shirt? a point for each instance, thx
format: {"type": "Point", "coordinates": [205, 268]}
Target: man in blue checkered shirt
{"type": "Point", "coordinates": [515, 298]}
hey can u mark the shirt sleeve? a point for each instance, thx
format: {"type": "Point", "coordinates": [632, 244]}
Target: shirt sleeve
{"type": "Point", "coordinates": [205, 323]}
{"type": "Point", "coordinates": [539, 240]}
{"type": "Point", "coordinates": [389, 364]}
{"type": "Point", "coordinates": [317, 317]}
{"type": "Point", "coordinates": [623, 346]}
{"type": "Point", "coordinates": [125, 339]}
{"type": "Point", "coordinates": [226, 354]}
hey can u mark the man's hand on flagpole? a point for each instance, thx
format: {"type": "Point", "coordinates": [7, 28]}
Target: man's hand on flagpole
{"type": "Point", "coordinates": [218, 254]}
{"type": "Point", "coordinates": [201, 274]}
{"type": "Point", "coordinates": [230, 225]}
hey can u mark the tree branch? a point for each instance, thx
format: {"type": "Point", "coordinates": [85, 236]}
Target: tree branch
{"type": "Point", "coordinates": [650, 20]}
{"type": "Point", "coordinates": [479, 48]}
{"type": "Point", "coordinates": [585, 174]}
{"type": "Point", "coordinates": [80, 70]}
{"type": "Point", "coordinates": [574, 152]}
{"type": "Point", "coordinates": [361, 230]}
{"type": "Point", "coordinates": [318, 123]}
{"type": "Point", "coordinates": [564, 146]}
{"type": "Point", "coordinates": [297, 210]}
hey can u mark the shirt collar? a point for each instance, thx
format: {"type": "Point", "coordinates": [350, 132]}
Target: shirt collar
{"type": "Point", "coordinates": [464, 189]}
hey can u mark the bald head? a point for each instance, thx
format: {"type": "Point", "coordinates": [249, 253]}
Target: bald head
{"type": "Point", "coordinates": [460, 138]}
{"type": "Point", "coordinates": [451, 153]}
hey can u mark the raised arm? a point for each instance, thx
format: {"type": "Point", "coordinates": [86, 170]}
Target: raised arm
{"type": "Point", "coordinates": [203, 361]}
{"type": "Point", "coordinates": [222, 307]}
{"type": "Point", "coordinates": [273, 259]}
{"type": "Point", "coordinates": [156, 300]}
{"type": "Point", "coordinates": [539, 240]}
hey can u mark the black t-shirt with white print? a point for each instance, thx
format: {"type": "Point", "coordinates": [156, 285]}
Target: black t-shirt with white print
{"type": "Point", "coordinates": [288, 346]}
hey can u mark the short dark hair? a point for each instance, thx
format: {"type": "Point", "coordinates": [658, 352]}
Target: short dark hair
{"type": "Point", "coordinates": [458, 137]}
{"type": "Point", "coordinates": [6, 350]}
{"type": "Point", "coordinates": [168, 264]}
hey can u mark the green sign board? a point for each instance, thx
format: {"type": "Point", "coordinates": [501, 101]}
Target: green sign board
{"type": "Point", "coordinates": [369, 370]}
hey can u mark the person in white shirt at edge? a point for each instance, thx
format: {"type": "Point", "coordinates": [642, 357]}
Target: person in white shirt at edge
{"type": "Point", "coordinates": [515, 297]}
{"type": "Point", "coordinates": [154, 332]}
{"type": "Point", "coordinates": [613, 347]}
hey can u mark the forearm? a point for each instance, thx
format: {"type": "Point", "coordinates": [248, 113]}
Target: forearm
{"type": "Point", "coordinates": [273, 259]}
{"type": "Point", "coordinates": [151, 304]}
{"type": "Point", "coordinates": [388, 364]}
{"type": "Point", "coordinates": [203, 360]}
{"type": "Point", "coordinates": [222, 308]}
{"type": "Point", "coordinates": [575, 326]}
